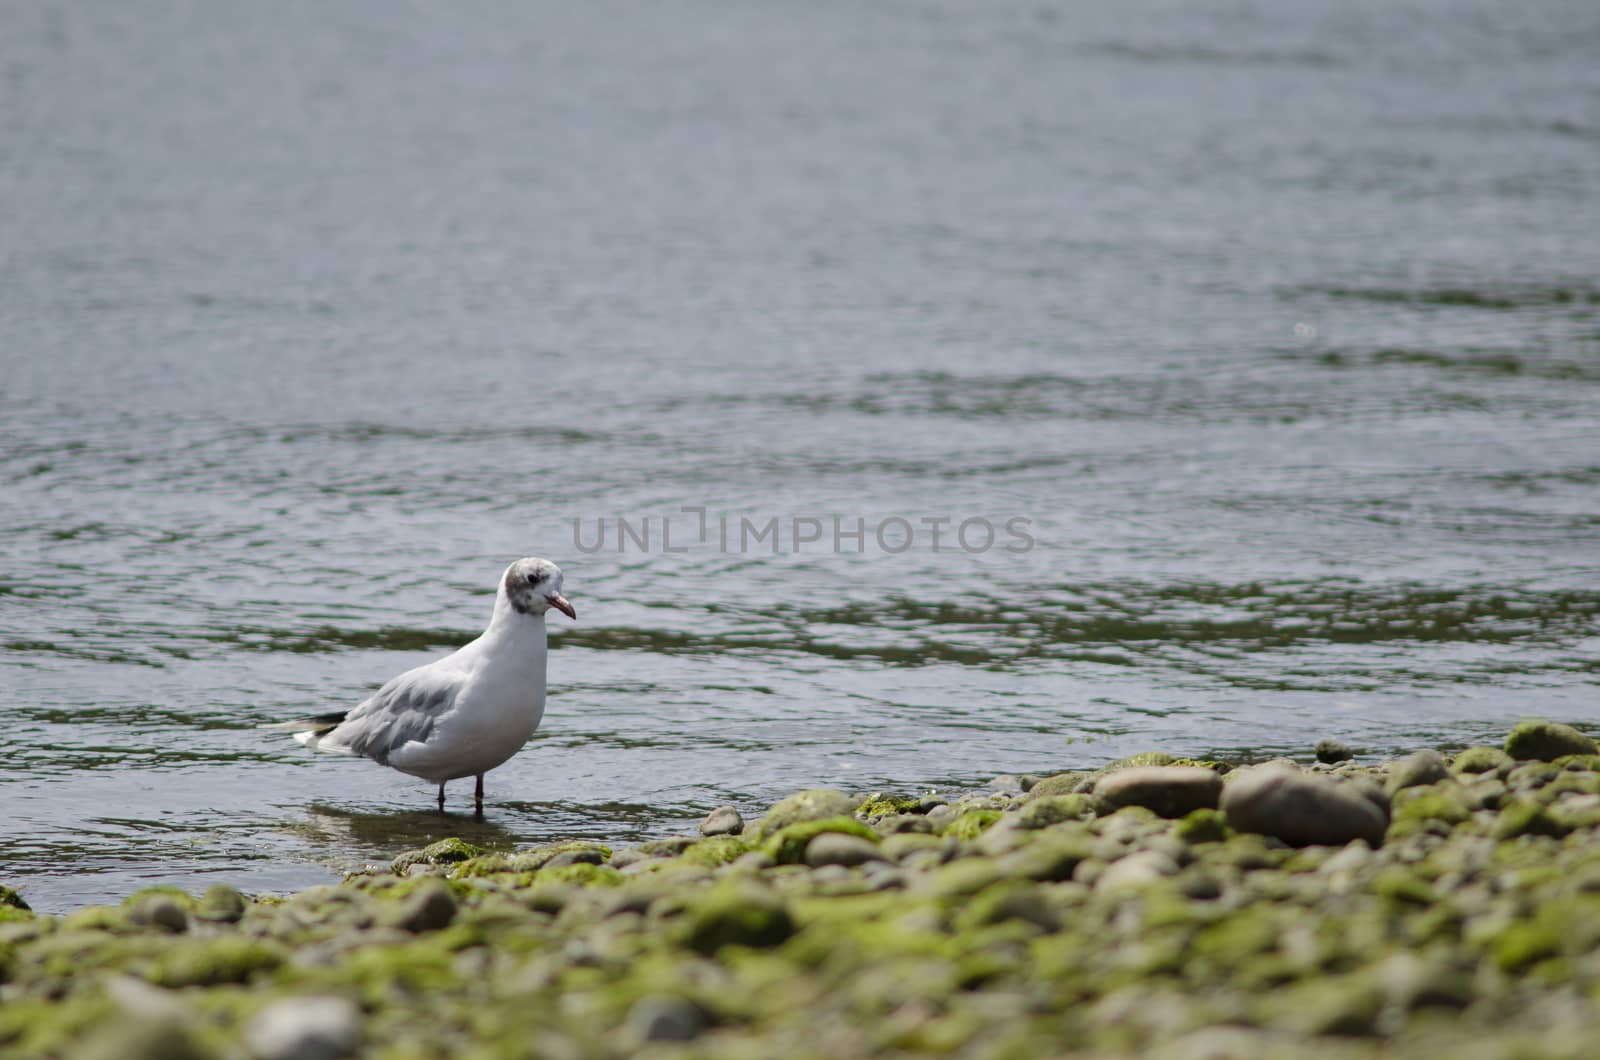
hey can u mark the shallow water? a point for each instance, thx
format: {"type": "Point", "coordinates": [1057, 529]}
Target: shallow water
{"type": "Point", "coordinates": [1279, 324]}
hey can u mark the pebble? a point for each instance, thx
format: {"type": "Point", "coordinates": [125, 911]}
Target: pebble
{"type": "Point", "coordinates": [1136, 870]}
{"type": "Point", "coordinates": [431, 907]}
{"type": "Point", "coordinates": [1331, 751]}
{"type": "Point", "coordinates": [1424, 767]}
{"type": "Point", "coordinates": [305, 1028]}
{"type": "Point", "coordinates": [837, 848]}
{"type": "Point", "coordinates": [1171, 791]}
{"type": "Point", "coordinates": [1547, 741]}
{"type": "Point", "coordinates": [1303, 809]}
{"type": "Point", "coordinates": [664, 1019]}
{"type": "Point", "coordinates": [724, 820]}
{"type": "Point", "coordinates": [160, 910]}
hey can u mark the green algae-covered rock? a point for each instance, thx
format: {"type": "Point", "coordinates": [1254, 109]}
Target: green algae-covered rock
{"type": "Point", "coordinates": [1546, 741]}
{"type": "Point", "coordinates": [11, 899]}
{"type": "Point", "coordinates": [1054, 809]}
{"type": "Point", "coordinates": [735, 916]}
{"type": "Point", "coordinates": [1523, 817]}
{"type": "Point", "coordinates": [566, 852]}
{"type": "Point", "coordinates": [1059, 784]}
{"type": "Point", "coordinates": [1479, 760]}
{"type": "Point", "coordinates": [879, 804]}
{"type": "Point", "coordinates": [715, 851]}
{"type": "Point", "coordinates": [213, 962]}
{"type": "Point", "coordinates": [444, 852]}
{"type": "Point", "coordinates": [815, 804]}
{"type": "Point", "coordinates": [221, 904]}
{"type": "Point", "coordinates": [429, 907]}
{"type": "Point", "coordinates": [972, 824]}
{"type": "Point", "coordinates": [1203, 826]}
{"type": "Point", "coordinates": [788, 845]}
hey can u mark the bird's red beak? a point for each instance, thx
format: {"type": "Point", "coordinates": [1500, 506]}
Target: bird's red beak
{"type": "Point", "coordinates": [559, 602]}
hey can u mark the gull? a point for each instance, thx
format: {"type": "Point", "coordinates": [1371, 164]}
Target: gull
{"type": "Point", "coordinates": [466, 713]}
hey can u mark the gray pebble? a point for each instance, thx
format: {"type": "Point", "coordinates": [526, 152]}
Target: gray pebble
{"type": "Point", "coordinates": [305, 1028]}
{"type": "Point", "coordinates": [1171, 791]}
{"type": "Point", "coordinates": [665, 1019]}
{"type": "Point", "coordinates": [1331, 751]}
{"type": "Point", "coordinates": [1424, 767]}
{"type": "Point", "coordinates": [837, 848]}
{"type": "Point", "coordinates": [1304, 808]}
{"type": "Point", "coordinates": [724, 820]}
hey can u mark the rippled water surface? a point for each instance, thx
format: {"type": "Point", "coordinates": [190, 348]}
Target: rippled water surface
{"type": "Point", "coordinates": [1279, 323]}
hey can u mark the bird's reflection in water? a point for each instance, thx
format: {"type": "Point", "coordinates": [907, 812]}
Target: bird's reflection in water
{"type": "Point", "coordinates": [516, 824]}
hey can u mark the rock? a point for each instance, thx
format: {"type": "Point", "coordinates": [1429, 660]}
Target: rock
{"type": "Point", "coordinates": [742, 916]}
{"type": "Point", "coordinates": [664, 1019]}
{"type": "Point", "coordinates": [1424, 767]}
{"type": "Point", "coordinates": [1330, 751]}
{"type": "Point", "coordinates": [162, 911]}
{"type": "Point", "coordinates": [1060, 784]}
{"type": "Point", "coordinates": [221, 904]}
{"type": "Point", "coordinates": [1171, 791]}
{"type": "Point", "coordinates": [12, 899]}
{"type": "Point", "coordinates": [143, 1038]}
{"type": "Point", "coordinates": [430, 907]}
{"type": "Point", "coordinates": [1479, 760]}
{"type": "Point", "coordinates": [724, 820]}
{"type": "Point", "coordinates": [1303, 808]}
{"type": "Point", "coordinates": [753, 861]}
{"type": "Point", "coordinates": [1136, 870]}
{"type": "Point", "coordinates": [1547, 741]}
{"type": "Point", "coordinates": [788, 846]}
{"type": "Point", "coordinates": [444, 852]}
{"type": "Point", "coordinates": [575, 857]}
{"type": "Point", "coordinates": [816, 804]}
{"type": "Point", "coordinates": [670, 847]}
{"type": "Point", "coordinates": [305, 1028]}
{"type": "Point", "coordinates": [836, 848]}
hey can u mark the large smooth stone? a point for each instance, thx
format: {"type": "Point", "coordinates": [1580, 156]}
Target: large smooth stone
{"type": "Point", "coordinates": [1303, 809]}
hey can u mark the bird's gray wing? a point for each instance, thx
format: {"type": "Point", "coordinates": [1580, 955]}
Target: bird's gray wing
{"type": "Point", "coordinates": [402, 711]}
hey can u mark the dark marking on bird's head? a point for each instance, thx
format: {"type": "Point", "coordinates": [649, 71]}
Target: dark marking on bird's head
{"type": "Point", "coordinates": [531, 584]}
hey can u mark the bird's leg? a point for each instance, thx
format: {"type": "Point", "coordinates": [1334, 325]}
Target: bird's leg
{"type": "Point", "coordinates": [478, 795]}
{"type": "Point", "coordinates": [441, 796]}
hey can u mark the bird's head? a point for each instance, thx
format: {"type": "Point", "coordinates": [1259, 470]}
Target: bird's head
{"type": "Point", "coordinates": [533, 586]}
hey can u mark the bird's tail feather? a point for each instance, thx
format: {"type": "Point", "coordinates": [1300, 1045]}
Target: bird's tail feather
{"type": "Point", "coordinates": [315, 725]}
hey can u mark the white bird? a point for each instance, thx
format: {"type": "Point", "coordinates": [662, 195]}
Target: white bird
{"type": "Point", "coordinates": [467, 713]}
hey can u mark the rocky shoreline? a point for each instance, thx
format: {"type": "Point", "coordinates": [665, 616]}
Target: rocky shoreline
{"type": "Point", "coordinates": [1158, 907]}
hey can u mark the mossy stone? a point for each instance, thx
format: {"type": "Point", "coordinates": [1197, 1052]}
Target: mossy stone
{"type": "Point", "coordinates": [570, 852]}
{"type": "Point", "coordinates": [788, 845]}
{"type": "Point", "coordinates": [972, 824]}
{"type": "Point", "coordinates": [445, 852]}
{"type": "Point", "coordinates": [879, 804]}
{"type": "Point", "coordinates": [1421, 768]}
{"type": "Point", "coordinates": [429, 907]}
{"type": "Point", "coordinates": [221, 904]}
{"type": "Point", "coordinates": [735, 916]}
{"type": "Point", "coordinates": [715, 851]}
{"type": "Point", "coordinates": [212, 962]}
{"type": "Point", "coordinates": [1059, 784]}
{"type": "Point", "coordinates": [1054, 809]}
{"type": "Point", "coordinates": [1525, 817]}
{"type": "Point", "coordinates": [1546, 741]}
{"type": "Point", "coordinates": [1479, 760]}
{"type": "Point", "coordinates": [1203, 826]}
{"type": "Point", "coordinates": [816, 804]}
{"type": "Point", "coordinates": [11, 898]}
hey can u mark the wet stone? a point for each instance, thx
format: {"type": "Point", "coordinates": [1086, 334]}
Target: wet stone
{"type": "Point", "coordinates": [664, 1019]}
{"type": "Point", "coordinates": [1303, 809]}
{"type": "Point", "coordinates": [1331, 751]}
{"type": "Point", "coordinates": [221, 904]}
{"type": "Point", "coordinates": [724, 820]}
{"type": "Point", "coordinates": [1547, 741]}
{"type": "Point", "coordinates": [1170, 791]}
{"type": "Point", "coordinates": [1424, 767]}
{"type": "Point", "coordinates": [160, 911]}
{"type": "Point", "coordinates": [836, 848]}
{"type": "Point", "coordinates": [305, 1028]}
{"type": "Point", "coordinates": [430, 908]}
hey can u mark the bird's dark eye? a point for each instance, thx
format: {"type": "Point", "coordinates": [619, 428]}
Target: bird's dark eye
{"type": "Point", "coordinates": [533, 579]}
